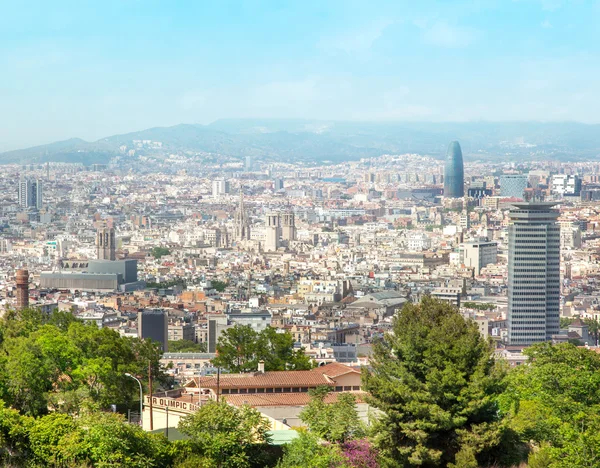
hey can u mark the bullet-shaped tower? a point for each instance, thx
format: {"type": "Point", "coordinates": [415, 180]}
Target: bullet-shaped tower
{"type": "Point", "coordinates": [454, 172]}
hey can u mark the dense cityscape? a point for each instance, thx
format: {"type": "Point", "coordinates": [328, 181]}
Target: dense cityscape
{"type": "Point", "coordinates": [260, 283]}
{"type": "Point", "coordinates": [295, 234]}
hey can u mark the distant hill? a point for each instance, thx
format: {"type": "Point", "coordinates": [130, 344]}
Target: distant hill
{"type": "Point", "coordinates": [315, 141]}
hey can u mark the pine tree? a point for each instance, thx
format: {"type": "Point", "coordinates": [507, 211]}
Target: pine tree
{"type": "Point", "coordinates": [435, 382]}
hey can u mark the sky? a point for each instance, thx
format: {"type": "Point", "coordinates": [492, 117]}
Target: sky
{"type": "Point", "coordinates": [93, 69]}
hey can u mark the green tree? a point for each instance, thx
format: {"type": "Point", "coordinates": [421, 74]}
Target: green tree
{"type": "Point", "coordinates": [240, 349]}
{"type": "Point", "coordinates": [105, 439]}
{"type": "Point", "coordinates": [278, 353]}
{"type": "Point", "coordinates": [219, 285]}
{"type": "Point", "coordinates": [227, 435]}
{"type": "Point", "coordinates": [593, 328]}
{"type": "Point", "coordinates": [334, 422]}
{"type": "Point", "coordinates": [306, 451]}
{"type": "Point", "coordinates": [566, 321]}
{"type": "Point", "coordinates": [554, 403]}
{"type": "Point", "coordinates": [436, 383]}
{"type": "Point", "coordinates": [237, 349]}
{"type": "Point", "coordinates": [14, 436]}
{"type": "Point", "coordinates": [50, 361]}
{"type": "Point", "coordinates": [158, 252]}
{"type": "Point", "coordinates": [45, 435]}
{"type": "Point", "coordinates": [186, 346]}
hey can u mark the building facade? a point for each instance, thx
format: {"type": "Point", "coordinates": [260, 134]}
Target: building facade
{"type": "Point", "coordinates": [454, 173]}
{"type": "Point", "coordinates": [105, 244]}
{"type": "Point", "coordinates": [513, 185]}
{"type": "Point", "coordinates": [30, 193]}
{"type": "Point", "coordinates": [478, 255]}
{"type": "Point", "coordinates": [533, 273]}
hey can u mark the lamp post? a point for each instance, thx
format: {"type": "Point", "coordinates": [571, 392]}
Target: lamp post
{"type": "Point", "coordinates": [141, 395]}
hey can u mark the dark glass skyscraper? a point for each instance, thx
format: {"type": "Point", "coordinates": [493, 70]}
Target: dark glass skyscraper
{"type": "Point", "coordinates": [454, 173]}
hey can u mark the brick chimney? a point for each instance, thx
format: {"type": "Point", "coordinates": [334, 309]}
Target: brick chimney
{"type": "Point", "coordinates": [22, 289]}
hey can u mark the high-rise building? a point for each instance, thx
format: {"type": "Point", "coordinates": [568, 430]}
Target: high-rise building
{"type": "Point", "coordinates": [153, 324]}
{"type": "Point", "coordinates": [220, 187]}
{"type": "Point", "coordinates": [105, 244]}
{"type": "Point", "coordinates": [30, 193]}
{"type": "Point", "coordinates": [454, 172]}
{"type": "Point", "coordinates": [22, 289]}
{"type": "Point", "coordinates": [288, 226]}
{"type": "Point", "coordinates": [533, 273]}
{"type": "Point", "coordinates": [277, 184]}
{"type": "Point", "coordinates": [513, 185]}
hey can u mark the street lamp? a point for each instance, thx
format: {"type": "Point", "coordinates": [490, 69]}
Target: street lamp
{"type": "Point", "coordinates": [141, 394]}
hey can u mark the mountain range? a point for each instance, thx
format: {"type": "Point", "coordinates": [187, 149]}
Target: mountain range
{"type": "Point", "coordinates": [311, 141]}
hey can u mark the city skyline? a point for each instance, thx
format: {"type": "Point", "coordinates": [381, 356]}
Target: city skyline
{"type": "Point", "coordinates": [76, 70]}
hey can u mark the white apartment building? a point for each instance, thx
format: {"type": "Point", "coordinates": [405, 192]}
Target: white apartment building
{"type": "Point", "coordinates": [478, 255]}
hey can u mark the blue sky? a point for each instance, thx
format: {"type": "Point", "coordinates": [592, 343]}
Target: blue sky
{"type": "Point", "coordinates": [91, 69]}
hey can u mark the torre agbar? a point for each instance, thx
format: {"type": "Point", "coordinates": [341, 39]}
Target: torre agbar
{"type": "Point", "coordinates": [454, 174]}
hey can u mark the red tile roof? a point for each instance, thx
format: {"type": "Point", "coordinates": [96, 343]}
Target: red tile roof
{"type": "Point", "coordinates": [283, 399]}
{"type": "Point", "coordinates": [324, 375]}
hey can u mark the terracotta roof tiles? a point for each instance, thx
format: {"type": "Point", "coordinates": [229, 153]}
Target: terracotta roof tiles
{"type": "Point", "coordinates": [324, 375]}
{"type": "Point", "coordinates": [282, 399]}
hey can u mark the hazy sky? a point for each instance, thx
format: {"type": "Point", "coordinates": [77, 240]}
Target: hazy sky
{"type": "Point", "coordinates": [91, 69]}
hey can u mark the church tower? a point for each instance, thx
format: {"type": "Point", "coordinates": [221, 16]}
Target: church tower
{"type": "Point", "coordinates": [105, 244]}
{"type": "Point", "coordinates": [242, 223]}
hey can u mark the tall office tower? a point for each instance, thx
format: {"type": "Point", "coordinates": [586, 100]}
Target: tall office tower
{"type": "Point", "coordinates": [22, 289]}
{"type": "Point", "coordinates": [30, 193]}
{"type": "Point", "coordinates": [241, 221]}
{"type": "Point", "coordinates": [272, 232]}
{"type": "Point", "coordinates": [277, 183]}
{"type": "Point", "coordinates": [248, 164]}
{"type": "Point", "coordinates": [454, 172]}
{"type": "Point", "coordinates": [513, 185]}
{"type": "Point", "coordinates": [153, 324]}
{"type": "Point", "coordinates": [105, 244]}
{"type": "Point", "coordinates": [533, 273]}
{"type": "Point", "coordinates": [220, 187]}
{"type": "Point", "coordinates": [288, 226]}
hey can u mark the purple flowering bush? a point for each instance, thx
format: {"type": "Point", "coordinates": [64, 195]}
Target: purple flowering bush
{"type": "Point", "coordinates": [359, 453]}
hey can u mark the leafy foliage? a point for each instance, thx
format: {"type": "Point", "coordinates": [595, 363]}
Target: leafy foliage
{"type": "Point", "coordinates": [306, 451]}
{"type": "Point", "coordinates": [479, 306]}
{"type": "Point", "coordinates": [240, 349]}
{"type": "Point", "coordinates": [554, 401]}
{"type": "Point", "coordinates": [436, 383]}
{"type": "Point", "coordinates": [60, 363]}
{"type": "Point", "coordinates": [334, 422]}
{"type": "Point", "coordinates": [186, 346]}
{"type": "Point", "coordinates": [227, 435]}
{"type": "Point", "coordinates": [158, 252]}
{"type": "Point", "coordinates": [219, 285]}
